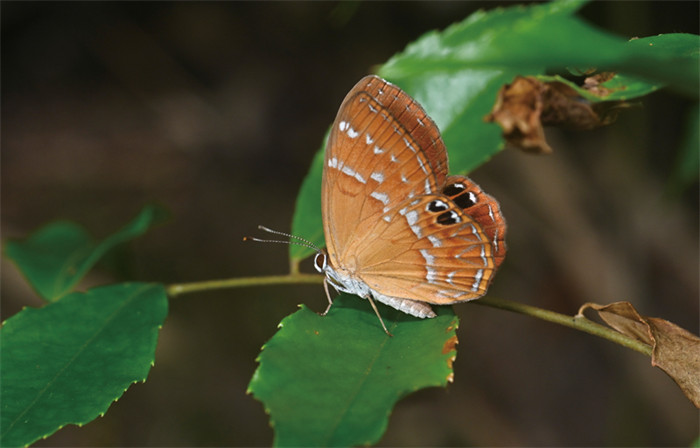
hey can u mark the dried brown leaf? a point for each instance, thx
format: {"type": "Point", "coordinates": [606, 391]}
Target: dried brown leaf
{"type": "Point", "coordinates": [674, 350]}
{"type": "Point", "coordinates": [527, 104]}
{"type": "Point", "coordinates": [594, 84]}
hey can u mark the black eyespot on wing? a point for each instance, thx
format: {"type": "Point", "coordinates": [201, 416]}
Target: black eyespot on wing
{"type": "Point", "coordinates": [448, 218]}
{"type": "Point", "coordinates": [437, 206]}
{"type": "Point", "coordinates": [465, 200]}
{"type": "Point", "coordinates": [453, 189]}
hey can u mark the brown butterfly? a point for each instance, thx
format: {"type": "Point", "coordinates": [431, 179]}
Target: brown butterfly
{"type": "Point", "coordinates": [398, 228]}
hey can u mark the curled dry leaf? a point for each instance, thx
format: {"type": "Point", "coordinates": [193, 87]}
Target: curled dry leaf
{"type": "Point", "coordinates": [674, 350]}
{"type": "Point", "coordinates": [527, 104]}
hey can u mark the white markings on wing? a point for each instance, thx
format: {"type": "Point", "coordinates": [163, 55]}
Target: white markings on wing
{"type": "Point", "coordinates": [431, 272]}
{"type": "Point", "coordinates": [435, 241]}
{"type": "Point", "coordinates": [377, 176]}
{"type": "Point", "coordinates": [477, 280]}
{"type": "Point", "coordinates": [409, 145]}
{"type": "Point", "coordinates": [422, 165]}
{"type": "Point", "coordinates": [352, 173]}
{"type": "Point", "coordinates": [381, 197]}
{"type": "Point", "coordinates": [450, 278]}
{"type": "Point", "coordinates": [412, 217]}
{"type": "Point", "coordinates": [344, 126]}
{"type": "Point", "coordinates": [483, 255]}
{"type": "Point", "coordinates": [429, 259]}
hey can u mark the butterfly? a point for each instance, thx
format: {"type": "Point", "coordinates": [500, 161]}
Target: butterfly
{"type": "Point", "coordinates": [399, 229]}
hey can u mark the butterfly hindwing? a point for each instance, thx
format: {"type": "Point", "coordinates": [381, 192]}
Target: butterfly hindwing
{"type": "Point", "coordinates": [431, 251]}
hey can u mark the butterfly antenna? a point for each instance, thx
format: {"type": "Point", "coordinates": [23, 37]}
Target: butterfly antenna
{"type": "Point", "coordinates": [293, 239]}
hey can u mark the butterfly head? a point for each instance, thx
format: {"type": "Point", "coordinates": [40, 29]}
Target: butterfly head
{"type": "Point", "coordinates": [321, 261]}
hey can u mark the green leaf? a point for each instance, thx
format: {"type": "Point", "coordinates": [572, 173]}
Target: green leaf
{"type": "Point", "coordinates": [56, 257]}
{"type": "Point", "coordinates": [307, 216]}
{"type": "Point", "coordinates": [672, 59]}
{"type": "Point", "coordinates": [455, 75]}
{"type": "Point", "coordinates": [68, 361]}
{"type": "Point", "coordinates": [333, 380]}
{"type": "Point", "coordinates": [619, 87]}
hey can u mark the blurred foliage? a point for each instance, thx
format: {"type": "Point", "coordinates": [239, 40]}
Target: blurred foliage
{"type": "Point", "coordinates": [215, 108]}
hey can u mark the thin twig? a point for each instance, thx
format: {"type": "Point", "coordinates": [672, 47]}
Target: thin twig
{"type": "Point", "coordinates": [580, 323]}
{"type": "Point", "coordinates": [187, 288]}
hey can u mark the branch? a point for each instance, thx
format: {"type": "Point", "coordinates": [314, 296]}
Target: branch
{"type": "Point", "coordinates": [578, 322]}
{"type": "Point", "coordinates": [187, 288]}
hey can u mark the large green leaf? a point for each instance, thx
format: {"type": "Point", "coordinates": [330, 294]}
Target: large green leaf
{"type": "Point", "coordinates": [455, 75]}
{"type": "Point", "coordinates": [333, 380]}
{"type": "Point", "coordinates": [68, 361]}
{"type": "Point", "coordinates": [56, 257]}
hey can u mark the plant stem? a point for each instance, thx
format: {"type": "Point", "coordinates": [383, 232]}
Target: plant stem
{"type": "Point", "coordinates": [187, 288]}
{"type": "Point", "coordinates": [580, 323]}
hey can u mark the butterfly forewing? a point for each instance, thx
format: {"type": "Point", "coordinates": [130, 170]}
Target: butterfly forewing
{"type": "Point", "coordinates": [374, 161]}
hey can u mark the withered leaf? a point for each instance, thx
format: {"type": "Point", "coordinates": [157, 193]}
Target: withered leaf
{"type": "Point", "coordinates": [674, 350]}
{"type": "Point", "coordinates": [594, 84]}
{"type": "Point", "coordinates": [523, 107]}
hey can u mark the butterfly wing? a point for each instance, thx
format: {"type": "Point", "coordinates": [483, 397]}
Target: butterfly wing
{"type": "Point", "coordinates": [382, 149]}
{"type": "Point", "coordinates": [438, 249]}
{"type": "Point", "coordinates": [393, 219]}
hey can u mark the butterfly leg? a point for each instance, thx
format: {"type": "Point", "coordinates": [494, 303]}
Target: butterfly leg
{"type": "Point", "coordinates": [376, 311]}
{"type": "Point", "coordinates": [328, 294]}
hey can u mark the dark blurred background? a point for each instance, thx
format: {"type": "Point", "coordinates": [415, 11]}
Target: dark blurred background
{"type": "Point", "coordinates": [215, 111]}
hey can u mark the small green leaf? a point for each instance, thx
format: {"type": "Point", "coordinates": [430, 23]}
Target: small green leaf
{"type": "Point", "coordinates": [68, 361]}
{"type": "Point", "coordinates": [56, 257]}
{"type": "Point", "coordinates": [619, 87]}
{"type": "Point", "coordinates": [334, 380]}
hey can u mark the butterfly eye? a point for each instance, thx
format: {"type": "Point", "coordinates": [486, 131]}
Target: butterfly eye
{"type": "Point", "coordinates": [448, 218]}
{"type": "Point", "coordinates": [466, 199]}
{"type": "Point", "coordinates": [320, 262]}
